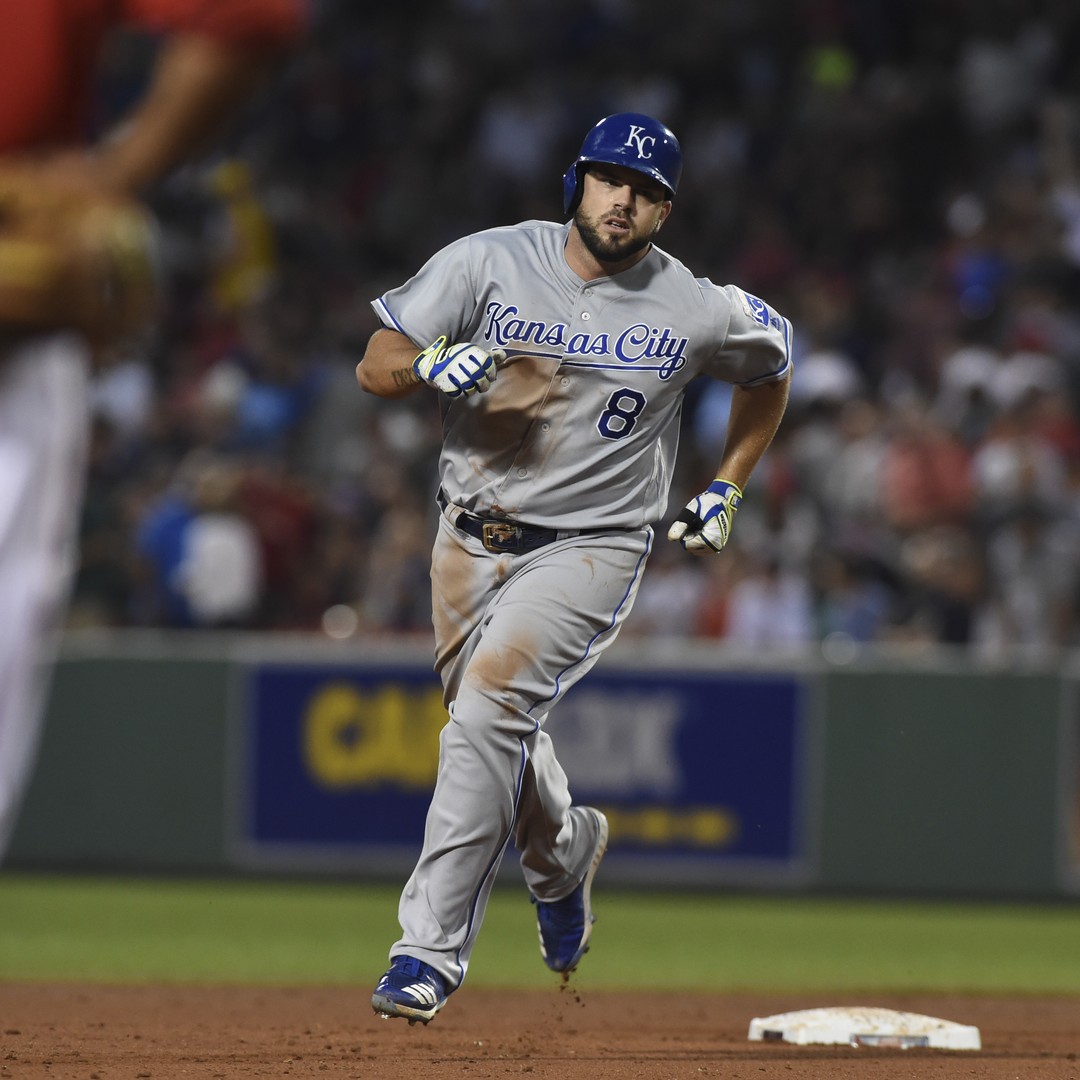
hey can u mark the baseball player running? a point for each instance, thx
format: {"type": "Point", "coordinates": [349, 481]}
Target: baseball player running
{"type": "Point", "coordinates": [67, 284]}
{"type": "Point", "coordinates": [561, 354]}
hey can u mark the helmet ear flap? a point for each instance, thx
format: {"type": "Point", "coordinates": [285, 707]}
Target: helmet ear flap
{"type": "Point", "coordinates": [572, 181]}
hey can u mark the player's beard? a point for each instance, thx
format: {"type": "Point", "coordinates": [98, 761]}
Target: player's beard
{"type": "Point", "coordinates": [608, 249]}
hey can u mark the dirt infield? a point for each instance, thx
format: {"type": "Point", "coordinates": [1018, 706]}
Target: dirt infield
{"type": "Point", "coordinates": [84, 1032]}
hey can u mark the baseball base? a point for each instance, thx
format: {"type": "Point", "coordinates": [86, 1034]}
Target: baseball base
{"type": "Point", "coordinates": [855, 1026]}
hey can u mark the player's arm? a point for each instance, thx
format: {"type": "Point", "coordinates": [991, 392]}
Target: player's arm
{"type": "Point", "coordinates": [753, 420]}
{"type": "Point", "coordinates": [197, 86]}
{"type": "Point", "coordinates": [212, 59]}
{"type": "Point", "coordinates": [386, 368]}
{"type": "Point", "coordinates": [755, 415]}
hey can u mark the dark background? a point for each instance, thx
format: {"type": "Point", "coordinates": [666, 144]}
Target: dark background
{"type": "Point", "coordinates": [895, 176]}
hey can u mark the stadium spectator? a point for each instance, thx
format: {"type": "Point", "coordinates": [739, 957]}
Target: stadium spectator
{"type": "Point", "coordinates": [901, 177]}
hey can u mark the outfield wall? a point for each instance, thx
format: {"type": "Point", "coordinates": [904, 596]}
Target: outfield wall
{"type": "Point", "coordinates": [244, 754]}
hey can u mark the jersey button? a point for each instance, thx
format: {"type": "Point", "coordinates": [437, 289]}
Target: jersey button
{"type": "Point", "coordinates": [586, 316]}
{"type": "Point", "coordinates": [545, 427]}
{"type": "Point", "coordinates": [523, 473]}
{"type": "Point", "coordinates": [566, 382]}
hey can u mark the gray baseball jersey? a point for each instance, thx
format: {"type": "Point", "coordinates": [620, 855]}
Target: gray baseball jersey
{"type": "Point", "coordinates": [578, 435]}
{"type": "Point", "coordinates": [580, 430]}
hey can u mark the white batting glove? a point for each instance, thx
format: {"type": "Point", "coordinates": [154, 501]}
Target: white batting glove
{"type": "Point", "coordinates": [458, 370]}
{"type": "Point", "coordinates": [705, 524]}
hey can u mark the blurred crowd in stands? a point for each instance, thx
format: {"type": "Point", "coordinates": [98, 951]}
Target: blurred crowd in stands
{"type": "Point", "coordinates": [899, 177]}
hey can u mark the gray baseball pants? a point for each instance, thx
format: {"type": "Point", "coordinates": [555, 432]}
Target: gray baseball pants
{"type": "Point", "coordinates": [513, 633]}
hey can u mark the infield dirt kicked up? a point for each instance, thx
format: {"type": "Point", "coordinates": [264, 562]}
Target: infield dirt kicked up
{"type": "Point", "coordinates": [81, 1031]}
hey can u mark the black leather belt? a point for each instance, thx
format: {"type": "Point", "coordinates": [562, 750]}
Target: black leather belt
{"type": "Point", "coordinates": [504, 537]}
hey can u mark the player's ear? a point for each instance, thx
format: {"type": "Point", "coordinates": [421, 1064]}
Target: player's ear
{"type": "Point", "coordinates": [665, 209]}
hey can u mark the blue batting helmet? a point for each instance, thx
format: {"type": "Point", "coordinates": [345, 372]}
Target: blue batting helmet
{"type": "Point", "coordinates": [631, 139]}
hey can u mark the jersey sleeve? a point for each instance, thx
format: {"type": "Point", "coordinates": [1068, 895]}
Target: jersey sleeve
{"type": "Point", "coordinates": [439, 299]}
{"type": "Point", "coordinates": [757, 345]}
{"type": "Point", "coordinates": [255, 23]}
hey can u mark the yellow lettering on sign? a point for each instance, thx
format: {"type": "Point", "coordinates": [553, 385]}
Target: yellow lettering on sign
{"type": "Point", "coordinates": [659, 826]}
{"type": "Point", "coordinates": [357, 739]}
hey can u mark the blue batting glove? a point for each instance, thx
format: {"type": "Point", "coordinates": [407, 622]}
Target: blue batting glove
{"type": "Point", "coordinates": [705, 524]}
{"type": "Point", "coordinates": [458, 370]}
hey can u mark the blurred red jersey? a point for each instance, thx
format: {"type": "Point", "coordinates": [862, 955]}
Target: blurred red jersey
{"type": "Point", "coordinates": [49, 49]}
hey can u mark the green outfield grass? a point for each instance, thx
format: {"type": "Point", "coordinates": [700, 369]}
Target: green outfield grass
{"type": "Point", "coordinates": [143, 930]}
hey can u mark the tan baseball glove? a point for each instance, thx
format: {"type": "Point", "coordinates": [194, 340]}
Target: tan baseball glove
{"type": "Point", "coordinates": [72, 257]}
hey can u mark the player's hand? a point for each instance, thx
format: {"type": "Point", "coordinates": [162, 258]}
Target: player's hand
{"type": "Point", "coordinates": [73, 255]}
{"type": "Point", "coordinates": [458, 370]}
{"type": "Point", "coordinates": [705, 524]}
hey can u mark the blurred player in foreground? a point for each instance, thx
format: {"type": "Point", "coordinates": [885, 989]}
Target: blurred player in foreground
{"type": "Point", "coordinates": [561, 353]}
{"type": "Point", "coordinates": [77, 272]}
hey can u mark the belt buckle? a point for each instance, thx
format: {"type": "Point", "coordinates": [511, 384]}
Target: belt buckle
{"type": "Point", "coordinates": [499, 535]}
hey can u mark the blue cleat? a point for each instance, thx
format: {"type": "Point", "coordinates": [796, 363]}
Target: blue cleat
{"type": "Point", "coordinates": [565, 925]}
{"type": "Point", "coordinates": [410, 989]}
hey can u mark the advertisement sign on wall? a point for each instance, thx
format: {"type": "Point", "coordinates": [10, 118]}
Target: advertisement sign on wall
{"type": "Point", "coordinates": [703, 777]}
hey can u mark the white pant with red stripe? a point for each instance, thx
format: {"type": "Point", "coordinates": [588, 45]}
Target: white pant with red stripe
{"type": "Point", "coordinates": [43, 439]}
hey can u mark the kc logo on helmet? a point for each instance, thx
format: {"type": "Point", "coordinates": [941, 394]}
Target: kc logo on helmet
{"type": "Point", "coordinates": [638, 140]}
